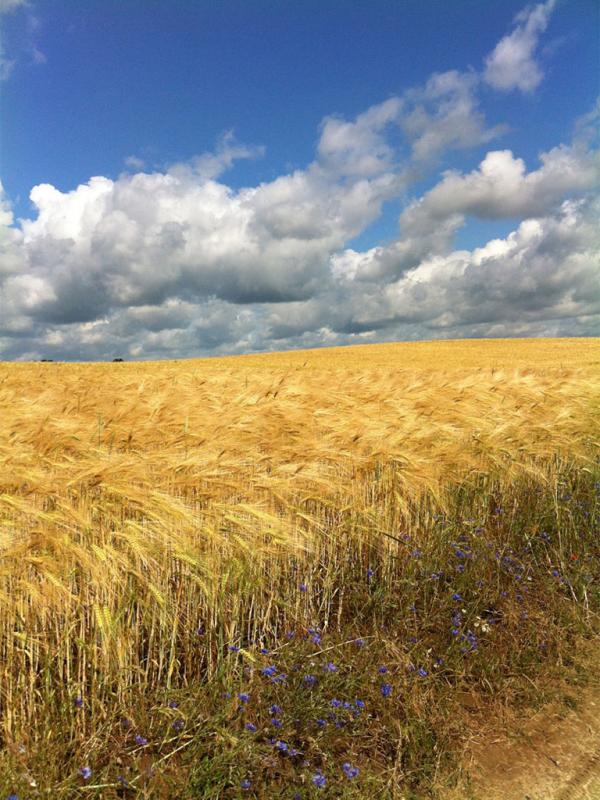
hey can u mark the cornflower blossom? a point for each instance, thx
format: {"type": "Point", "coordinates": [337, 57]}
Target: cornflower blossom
{"type": "Point", "coordinates": [319, 780]}
{"type": "Point", "coordinates": [350, 771]}
{"type": "Point", "coordinates": [86, 773]}
{"type": "Point", "coordinates": [386, 689]}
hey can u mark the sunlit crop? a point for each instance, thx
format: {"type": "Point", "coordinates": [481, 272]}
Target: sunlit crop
{"type": "Point", "coordinates": [158, 520]}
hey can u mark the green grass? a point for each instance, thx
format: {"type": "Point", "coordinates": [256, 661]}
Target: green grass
{"type": "Point", "coordinates": [524, 559]}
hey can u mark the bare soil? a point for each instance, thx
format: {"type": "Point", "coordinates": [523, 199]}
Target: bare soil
{"type": "Point", "coordinates": [555, 755]}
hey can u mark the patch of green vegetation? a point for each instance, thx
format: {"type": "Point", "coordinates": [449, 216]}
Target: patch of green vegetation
{"type": "Point", "coordinates": [384, 652]}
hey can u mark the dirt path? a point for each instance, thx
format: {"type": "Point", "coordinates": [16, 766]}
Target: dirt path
{"type": "Point", "coordinates": [555, 757]}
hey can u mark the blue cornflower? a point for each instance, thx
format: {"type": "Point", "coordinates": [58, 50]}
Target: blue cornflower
{"type": "Point", "coordinates": [275, 709]}
{"type": "Point", "coordinates": [359, 642]}
{"type": "Point", "coordinates": [246, 784]}
{"type": "Point", "coordinates": [12, 797]}
{"type": "Point", "coordinates": [178, 725]}
{"type": "Point", "coordinates": [319, 780]}
{"type": "Point", "coordinates": [243, 697]}
{"type": "Point", "coordinates": [370, 572]}
{"type": "Point", "coordinates": [250, 726]}
{"type": "Point", "coordinates": [269, 671]}
{"type": "Point", "coordinates": [302, 587]}
{"type": "Point", "coordinates": [201, 630]}
{"type": "Point", "coordinates": [310, 680]}
{"type": "Point", "coordinates": [86, 773]}
{"type": "Point", "coordinates": [276, 723]}
{"type": "Point", "coordinates": [281, 746]}
{"type": "Point", "coordinates": [359, 703]}
{"type": "Point", "coordinates": [382, 670]}
{"type": "Point", "coordinates": [336, 703]}
{"type": "Point", "coordinates": [78, 701]}
{"type": "Point", "coordinates": [460, 554]}
{"type": "Point", "coordinates": [321, 723]}
{"type": "Point", "coordinates": [330, 667]}
{"type": "Point", "coordinates": [422, 672]}
{"type": "Point", "coordinates": [141, 740]}
{"type": "Point", "coordinates": [456, 596]}
{"type": "Point", "coordinates": [316, 638]}
{"type": "Point", "coordinates": [350, 771]}
{"type": "Point", "coordinates": [264, 651]}
{"type": "Point", "coordinates": [233, 648]}
{"type": "Point", "coordinates": [172, 704]}
{"type": "Point", "coordinates": [386, 689]}
{"type": "Point", "coordinates": [279, 678]}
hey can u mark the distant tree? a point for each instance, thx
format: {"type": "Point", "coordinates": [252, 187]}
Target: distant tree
{"type": "Point", "coordinates": [117, 359]}
{"type": "Point", "coordinates": [47, 359]}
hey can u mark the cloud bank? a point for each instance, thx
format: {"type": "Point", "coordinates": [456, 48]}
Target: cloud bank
{"type": "Point", "coordinates": [178, 263]}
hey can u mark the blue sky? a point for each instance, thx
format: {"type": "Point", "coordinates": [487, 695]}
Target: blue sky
{"type": "Point", "coordinates": [112, 89]}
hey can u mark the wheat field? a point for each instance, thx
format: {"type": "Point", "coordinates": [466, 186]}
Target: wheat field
{"type": "Point", "coordinates": [142, 501]}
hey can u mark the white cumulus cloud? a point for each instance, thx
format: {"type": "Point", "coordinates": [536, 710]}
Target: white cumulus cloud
{"type": "Point", "coordinates": [512, 63]}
